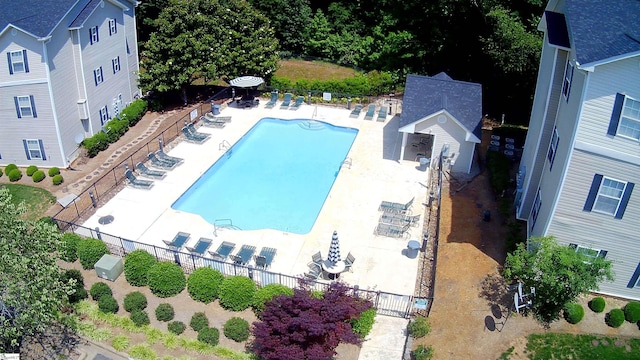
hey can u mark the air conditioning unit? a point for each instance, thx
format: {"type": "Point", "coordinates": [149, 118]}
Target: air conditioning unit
{"type": "Point", "coordinates": [109, 267]}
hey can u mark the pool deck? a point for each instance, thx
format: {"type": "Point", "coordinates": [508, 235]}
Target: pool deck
{"type": "Point", "coordinates": [351, 208]}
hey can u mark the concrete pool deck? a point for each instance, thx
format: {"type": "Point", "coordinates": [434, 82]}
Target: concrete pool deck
{"type": "Point", "coordinates": [351, 207]}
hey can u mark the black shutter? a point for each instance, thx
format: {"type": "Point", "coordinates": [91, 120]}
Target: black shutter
{"type": "Point", "coordinates": [634, 277]}
{"type": "Point", "coordinates": [593, 192]}
{"type": "Point", "coordinates": [26, 149]}
{"type": "Point", "coordinates": [10, 63]}
{"type": "Point", "coordinates": [15, 100]}
{"type": "Point", "coordinates": [615, 115]}
{"type": "Point", "coordinates": [44, 156]}
{"type": "Point", "coordinates": [26, 62]}
{"type": "Point", "coordinates": [625, 200]}
{"type": "Point", "coordinates": [33, 106]}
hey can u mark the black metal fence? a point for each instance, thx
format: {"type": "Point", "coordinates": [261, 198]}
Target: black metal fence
{"type": "Point", "coordinates": [389, 304]}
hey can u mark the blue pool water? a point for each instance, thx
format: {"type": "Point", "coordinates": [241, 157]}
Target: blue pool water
{"type": "Point", "coordinates": [277, 176]}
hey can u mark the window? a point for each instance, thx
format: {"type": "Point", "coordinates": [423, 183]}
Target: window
{"type": "Point", "coordinates": [625, 118]}
{"type": "Point", "coordinates": [104, 115]}
{"type": "Point", "coordinates": [566, 84]}
{"type": "Point", "coordinates": [608, 196]}
{"type": "Point", "coordinates": [34, 149]}
{"type": "Point", "coordinates": [25, 106]}
{"type": "Point", "coordinates": [553, 147]}
{"type": "Point", "coordinates": [17, 61]}
{"type": "Point", "coordinates": [589, 252]}
{"type": "Point", "coordinates": [97, 75]}
{"type": "Point", "coordinates": [93, 35]}
{"type": "Point", "coordinates": [115, 62]}
{"type": "Point", "coordinates": [113, 29]}
{"type": "Point", "coordinates": [537, 203]}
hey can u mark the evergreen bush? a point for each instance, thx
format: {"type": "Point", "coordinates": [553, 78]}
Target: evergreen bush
{"type": "Point", "coordinates": [31, 169]}
{"type": "Point", "coordinates": [176, 327]}
{"type": "Point", "coordinates": [98, 289]}
{"type": "Point", "coordinates": [632, 311]}
{"type": "Point", "coordinates": [597, 304]}
{"type": "Point", "coordinates": [14, 175]}
{"type": "Point", "coordinates": [107, 304]}
{"type": "Point", "coordinates": [422, 352]}
{"type": "Point", "coordinates": [90, 251]}
{"type": "Point", "coordinates": [199, 321]}
{"type": "Point", "coordinates": [139, 317]}
{"type": "Point", "coordinates": [54, 171]}
{"type": "Point", "coordinates": [364, 323]}
{"type": "Point", "coordinates": [165, 312]}
{"type": "Point", "coordinates": [237, 292]}
{"type": "Point", "coordinates": [38, 176]}
{"type": "Point", "coordinates": [419, 327]}
{"type": "Point", "coordinates": [135, 301]}
{"type": "Point", "coordinates": [203, 284]}
{"type": "Point", "coordinates": [614, 318]}
{"type": "Point", "coordinates": [236, 329]}
{"type": "Point", "coordinates": [134, 112]}
{"type": "Point", "coordinates": [573, 313]}
{"type": "Point", "coordinates": [166, 279]}
{"type": "Point", "coordinates": [57, 179]}
{"type": "Point", "coordinates": [209, 336]}
{"type": "Point", "coordinates": [8, 168]}
{"type": "Point", "coordinates": [268, 292]}
{"type": "Point", "coordinates": [136, 267]}
{"type": "Point", "coordinates": [80, 292]}
{"type": "Point", "coordinates": [69, 247]}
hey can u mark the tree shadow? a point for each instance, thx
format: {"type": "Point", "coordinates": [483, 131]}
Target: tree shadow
{"type": "Point", "coordinates": [57, 342]}
{"type": "Point", "coordinates": [495, 290]}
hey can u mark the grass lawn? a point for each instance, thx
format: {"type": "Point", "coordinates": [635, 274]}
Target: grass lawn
{"type": "Point", "coordinates": [36, 200]}
{"type": "Point", "coordinates": [568, 346]}
{"type": "Point", "coordinates": [295, 69]}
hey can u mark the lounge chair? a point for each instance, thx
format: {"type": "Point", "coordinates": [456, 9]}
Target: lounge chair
{"type": "Point", "coordinates": [382, 114]}
{"type": "Point", "coordinates": [209, 116]}
{"type": "Point", "coordinates": [314, 272]}
{"type": "Point", "coordinates": [244, 255]}
{"type": "Point", "coordinates": [371, 110]}
{"type": "Point", "coordinates": [223, 250]}
{"type": "Point", "coordinates": [265, 258]}
{"type": "Point", "coordinates": [348, 262]}
{"type": "Point", "coordinates": [143, 170]}
{"type": "Point", "coordinates": [214, 123]}
{"type": "Point", "coordinates": [179, 240]}
{"type": "Point", "coordinates": [137, 183]}
{"type": "Point", "coordinates": [272, 102]}
{"type": "Point", "coordinates": [389, 230]}
{"type": "Point", "coordinates": [296, 105]}
{"type": "Point", "coordinates": [286, 101]}
{"type": "Point", "coordinates": [196, 133]}
{"type": "Point", "coordinates": [356, 111]}
{"type": "Point", "coordinates": [190, 137]}
{"type": "Point", "coordinates": [201, 246]}
{"type": "Point", "coordinates": [167, 158]}
{"type": "Point", "coordinates": [156, 162]}
{"type": "Point", "coordinates": [399, 219]}
{"type": "Point", "coordinates": [393, 207]}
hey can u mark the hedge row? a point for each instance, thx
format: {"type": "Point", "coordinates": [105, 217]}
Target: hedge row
{"type": "Point", "coordinates": [373, 83]}
{"type": "Point", "coordinates": [33, 172]}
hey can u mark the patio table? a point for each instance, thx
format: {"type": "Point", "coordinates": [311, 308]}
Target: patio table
{"type": "Point", "coordinates": [333, 269]}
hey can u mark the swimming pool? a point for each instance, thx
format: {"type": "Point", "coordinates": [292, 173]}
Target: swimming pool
{"type": "Point", "coordinates": [277, 176]}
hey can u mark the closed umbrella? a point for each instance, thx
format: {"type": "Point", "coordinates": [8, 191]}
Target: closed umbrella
{"type": "Point", "coordinates": [334, 250]}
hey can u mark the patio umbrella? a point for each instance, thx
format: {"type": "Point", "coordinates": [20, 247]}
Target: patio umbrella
{"type": "Point", "coordinates": [334, 250]}
{"type": "Point", "coordinates": [246, 81]}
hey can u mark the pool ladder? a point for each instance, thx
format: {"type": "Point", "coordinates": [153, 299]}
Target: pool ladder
{"type": "Point", "coordinates": [224, 145]}
{"type": "Point", "coordinates": [223, 224]}
{"type": "Point", "coordinates": [347, 162]}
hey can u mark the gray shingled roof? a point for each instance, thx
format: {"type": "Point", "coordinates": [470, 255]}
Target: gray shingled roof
{"type": "Point", "coordinates": [424, 95]}
{"type": "Point", "coordinates": [602, 29]}
{"type": "Point", "coordinates": [37, 17]}
{"type": "Point", "coordinates": [84, 13]}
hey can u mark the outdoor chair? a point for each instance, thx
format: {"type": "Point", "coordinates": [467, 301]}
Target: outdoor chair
{"type": "Point", "coordinates": [286, 101]}
{"type": "Point", "coordinates": [266, 254]}
{"type": "Point", "coordinates": [399, 219]}
{"type": "Point", "coordinates": [223, 250]}
{"type": "Point", "coordinates": [210, 117]}
{"type": "Point", "coordinates": [296, 105]}
{"type": "Point", "coordinates": [393, 207]}
{"type": "Point", "coordinates": [156, 162]}
{"type": "Point", "coordinates": [137, 183]}
{"type": "Point", "coordinates": [316, 258]}
{"type": "Point", "coordinates": [388, 230]}
{"type": "Point", "coordinates": [261, 262]}
{"type": "Point", "coordinates": [245, 254]}
{"type": "Point", "coordinates": [382, 114]}
{"type": "Point", "coordinates": [196, 133]}
{"type": "Point", "coordinates": [143, 170]}
{"type": "Point", "coordinates": [201, 246]}
{"type": "Point", "coordinates": [272, 102]}
{"type": "Point", "coordinates": [190, 137]}
{"type": "Point", "coordinates": [314, 272]}
{"type": "Point", "coordinates": [348, 262]}
{"type": "Point", "coordinates": [214, 123]}
{"type": "Point", "coordinates": [356, 111]}
{"type": "Point", "coordinates": [179, 240]}
{"type": "Point", "coordinates": [168, 158]}
{"type": "Point", "coordinates": [371, 110]}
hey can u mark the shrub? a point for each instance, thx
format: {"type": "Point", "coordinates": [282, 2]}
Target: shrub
{"type": "Point", "coordinates": [422, 352]}
{"type": "Point", "coordinates": [48, 220]}
{"type": "Point", "coordinates": [237, 292]}
{"type": "Point", "coordinates": [176, 327]}
{"type": "Point", "coordinates": [80, 292]}
{"type": "Point", "coordinates": [632, 311]}
{"type": "Point", "coordinates": [236, 329]}
{"type": "Point", "coordinates": [134, 112]}
{"type": "Point", "coordinates": [10, 167]}
{"type": "Point", "coordinates": [166, 279]}
{"type": "Point", "coordinates": [135, 301]}
{"type": "Point", "coordinates": [573, 313]}
{"type": "Point", "coordinates": [209, 336]}
{"type": "Point", "coordinates": [1, 172]}
{"type": "Point", "coordinates": [419, 327]}
{"type": "Point", "coordinates": [54, 171]}
{"type": "Point", "coordinates": [203, 284]}
{"type": "Point", "coordinates": [98, 289]}
{"type": "Point", "coordinates": [57, 179]}
{"type": "Point", "coordinates": [614, 318]}
{"type": "Point", "coordinates": [38, 176]}
{"type": "Point", "coordinates": [139, 317]}
{"type": "Point", "coordinates": [266, 293]}
{"type": "Point", "coordinates": [14, 175]}
{"type": "Point", "coordinates": [363, 324]}
{"type": "Point", "coordinates": [107, 304]}
{"type": "Point", "coordinates": [31, 169]}
{"type": "Point", "coordinates": [96, 143]}
{"type": "Point", "coordinates": [69, 247]}
{"type": "Point", "coordinates": [597, 304]}
{"type": "Point", "coordinates": [136, 267]}
{"type": "Point", "coordinates": [90, 251]}
{"type": "Point", "coordinates": [199, 321]}
{"type": "Point", "coordinates": [164, 312]}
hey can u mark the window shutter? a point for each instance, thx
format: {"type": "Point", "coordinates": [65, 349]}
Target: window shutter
{"type": "Point", "coordinates": [553, 157]}
{"type": "Point", "coordinates": [101, 74]}
{"type": "Point", "coordinates": [110, 32]}
{"type": "Point", "coordinates": [603, 253]}
{"type": "Point", "coordinates": [15, 100]}
{"type": "Point", "coordinates": [10, 63]}
{"type": "Point", "coordinates": [593, 192]}
{"type": "Point", "coordinates": [33, 106]}
{"type": "Point", "coordinates": [573, 246]}
{"type": "Point", "coordinates": [44, 157]}
{"type": "Point", "coordinates": [624, 201]}
{"type": "Point", "coordinates": [634, 277]}
{"type": "Point", "coordinates": [113, 65]}
{"type": "Point", "coordinates": [26, 62]}
{"type": "Point", "coordinates": [26, 149]}
{"type": "Point", "coordinates": [570, 83]}
{"type": "Point", "coordinates": [615, 116]}
{"type": "Point", "coordinates": [90, 36]}
{"type": "Point", "coordinates": [95, 77]}
{"type": "Point", "coordinates": [97, 34]}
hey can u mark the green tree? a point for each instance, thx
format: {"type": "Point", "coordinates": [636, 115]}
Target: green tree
{"type": "Point", "coordinates": [207, 39]}
{"type": "Point", "coordinates": [558, 273]}
{"type": "Point", "coordinates": [31, 286]}
{"type": "Point", "coordinates": [289, 18]}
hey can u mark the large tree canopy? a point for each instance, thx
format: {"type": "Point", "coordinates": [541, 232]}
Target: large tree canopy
{"type": "Point", "coordinates": [31, 289]}
{"type": "Point", "coordinates": [558, 273]}
{"type": "Point", "coordinates": [206, 39]}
